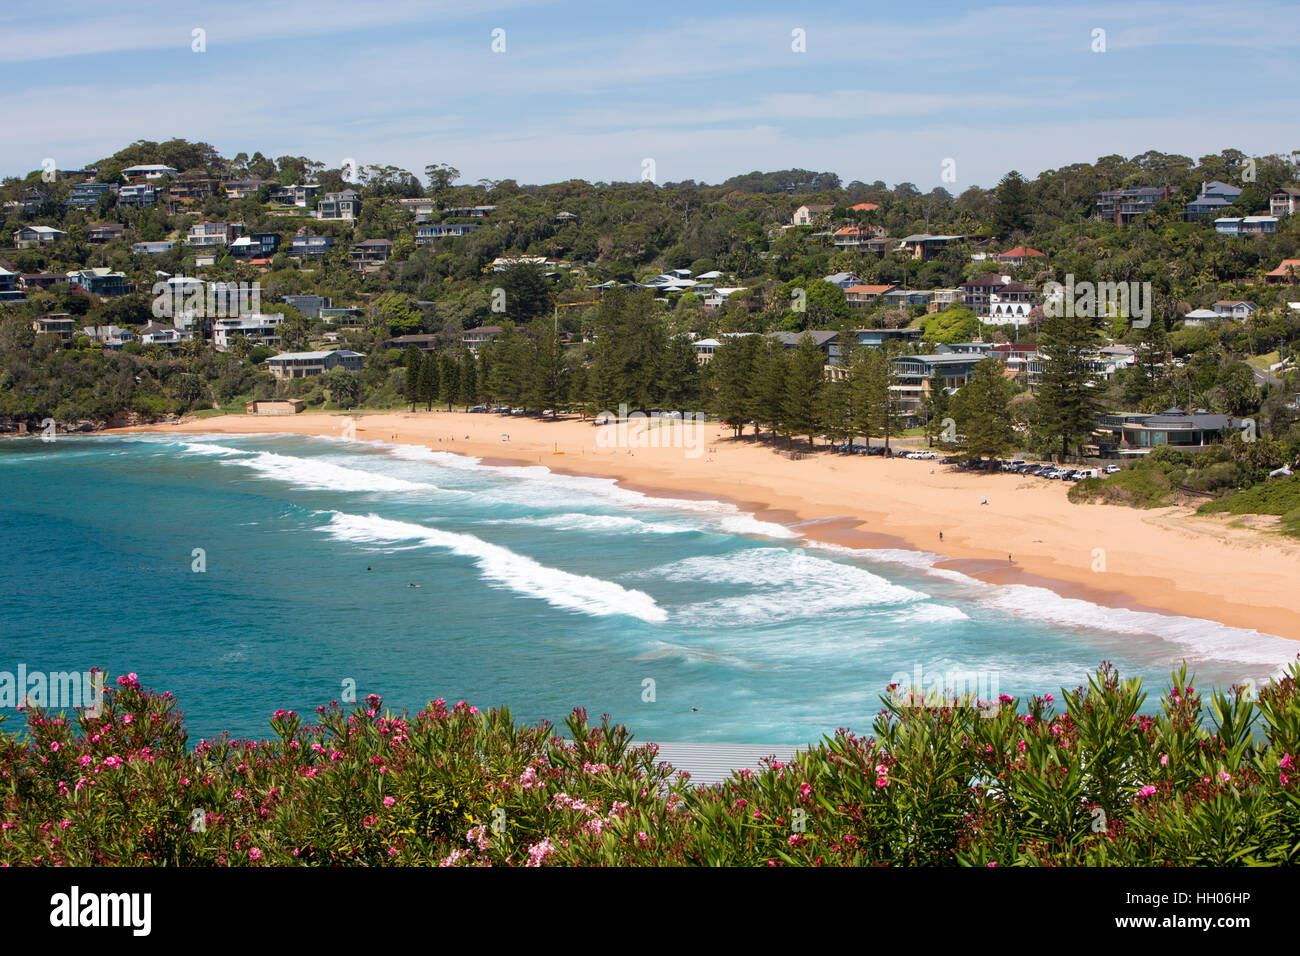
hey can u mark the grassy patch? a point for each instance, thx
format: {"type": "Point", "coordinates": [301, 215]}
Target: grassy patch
{"type": "Point", "coordinates": [1277, 496]}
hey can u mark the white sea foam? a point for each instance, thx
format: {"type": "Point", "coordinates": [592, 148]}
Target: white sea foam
{"type": "Point", "coordinates": [928, 613]}
{"type": "Point", "coordinates": [784, 584]}
{"type": "Point", "coordinates": [526, 484]}
{"type": "Point", "coordinates": [599, 524]}
{"type": "Point", "coordinates": [1200, 639]}
{"type": "Point", "coordinates": [316, 473]}
{"type": "Point", "coordinates": [504, 567]}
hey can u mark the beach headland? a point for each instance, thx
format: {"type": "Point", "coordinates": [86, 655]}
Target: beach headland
{"type": "Point", "coordinates": [1163, 560]}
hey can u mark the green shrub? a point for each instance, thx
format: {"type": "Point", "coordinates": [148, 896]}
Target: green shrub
{"type": "Point", "coordinates": [939, 782]}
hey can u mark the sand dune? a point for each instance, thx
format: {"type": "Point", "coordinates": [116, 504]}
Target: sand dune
{"type": "Point", "coordinates": [1165, 560]}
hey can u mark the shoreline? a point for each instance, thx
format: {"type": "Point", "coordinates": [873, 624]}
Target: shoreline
{"type": "Point", "coordinates": [1157, 561]}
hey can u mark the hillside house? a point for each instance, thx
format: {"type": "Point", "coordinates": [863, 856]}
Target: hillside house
{"type": "Point", "coordinates": [289, 365]}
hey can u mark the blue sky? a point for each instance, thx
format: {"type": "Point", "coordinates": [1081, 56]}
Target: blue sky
{"type": "Point", "coordinates": [707, 90]}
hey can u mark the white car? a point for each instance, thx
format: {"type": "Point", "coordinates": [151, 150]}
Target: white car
{"type": "Point", "coordinates": [1113, 469]}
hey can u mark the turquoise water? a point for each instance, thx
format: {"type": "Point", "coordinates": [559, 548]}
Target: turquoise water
{"type": "Point", "coordinates": [539, 591]}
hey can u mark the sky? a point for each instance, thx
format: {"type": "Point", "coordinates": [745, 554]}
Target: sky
{"type": "Point", "coordinates": [940, 93]}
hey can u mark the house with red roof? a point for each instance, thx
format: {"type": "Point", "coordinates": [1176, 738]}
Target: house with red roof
{"type": "Point", "coordinates": [1019, 256]}
{"type": "Point", "coordinates": [1288, 273]}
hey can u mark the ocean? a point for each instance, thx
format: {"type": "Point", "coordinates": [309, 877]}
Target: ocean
{"type": "Point", "coordinates": [250, 573]}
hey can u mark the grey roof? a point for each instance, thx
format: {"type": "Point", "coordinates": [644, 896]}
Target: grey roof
{"type": "Point", "coordinates": [819, 338]}
{"type": "Point", "coordinates": [312, 355]}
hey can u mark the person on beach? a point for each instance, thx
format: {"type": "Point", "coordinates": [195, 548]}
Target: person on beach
{"type": "Point", "coordinates": [940, 535]}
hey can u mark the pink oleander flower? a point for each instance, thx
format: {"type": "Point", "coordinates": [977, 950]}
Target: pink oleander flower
{"type": "Point", "coordinates": [538, 852]}
{"type": "Point", "coordinates": [1164, 760]}
{"type": "Point", "coordinates": [1049, 698]}
{"type": "Point", "coordinates": [54, 745]}
{"type": "Point", "coordinates": [1020, 745]}
{"type": "Point", "coordinates": [1224, 776]}
{"type": "Point", "coordinates": [1146, 791]}
{"type": "Point", "coordinates": [254, 854]}
{"type": "Point", "coordinates": [804, 791]}
{"type": "Point", "coordinates": [127, 718]}
{"type": "Point", "coordinates": [642, 837]}
{"type": "Point", "coordinates": [1287, 761]}
{"type": "Point", "coordinates": [389, 801]}
{"type": "Point", "coordinates": [478, 836]}
{"type": "Point", "coordinates": [451, 858]}
{"type": "Point", "coordinates": [993, 863]}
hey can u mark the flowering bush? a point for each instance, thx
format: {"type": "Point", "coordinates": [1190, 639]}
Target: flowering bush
{"type": "Point", "coordinates": [1210, 782]}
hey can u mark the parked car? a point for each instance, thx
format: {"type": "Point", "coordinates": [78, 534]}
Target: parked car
{"type": "Point", "coordinates": [479, 408]}
{"type": "Point", "coordinates": [1113, 469]}
{"type": "Point", "coordinates": [501, 409]}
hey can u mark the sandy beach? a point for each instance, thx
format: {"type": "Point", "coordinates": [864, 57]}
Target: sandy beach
{"type": "Point", "coordinates": [1028, 532]}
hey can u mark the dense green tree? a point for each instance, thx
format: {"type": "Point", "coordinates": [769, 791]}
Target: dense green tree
{"type": "Point", "coordinates": [413, 362]}
{"type": "Point", "coordinates": [732, 372]}
{"type": "Point", "coordinates": [802, 405]}
{"type": "Point", "coordinates": [768, 389]}
{"type": "Point", "coordinates": [981, 410]}
{"type": "Point", "coordinates": [1068, 397]}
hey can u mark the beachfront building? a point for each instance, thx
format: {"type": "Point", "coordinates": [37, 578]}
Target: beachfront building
{"type": "Point", "coordinates": [913, 375]}
{"type": "Point", "coordinates": [1129, 434]}
{"type": "Point", "coordinates": [288, 365]}
{"type": "Point", "coordinates": [275, 406]}
{"type": "Point", "coordinates": [479, 336]}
